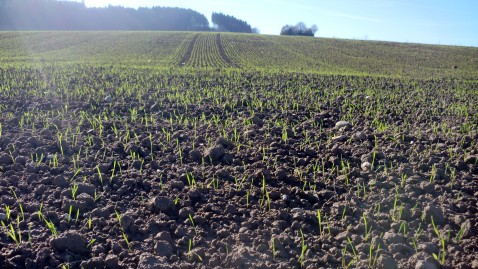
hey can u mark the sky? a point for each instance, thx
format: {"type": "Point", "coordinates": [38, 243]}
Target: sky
{"type": "Point", "coordinates": [445, 22]}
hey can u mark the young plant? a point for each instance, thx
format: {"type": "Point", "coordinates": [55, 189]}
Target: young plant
{"type": "Point", "coordinates": [92, 241]}
{"type": "Point", "coordinates": [74, 190]}
{"type": "Point", "coordinates": [372, 259]}
{"type": "Point", "coordinates": [440, 257]}
{"type": "Point", "coordinates": [125, 237]}
{"type": "Point", "coordinates": [273, 248]}
{"type": "Point", "coordinates": [192, 222]}
{"type": "Point", "coordinates": [11, 232]}
{"type": "Point", "coordinates": [99, 174]}
{"type": "Point", "coordinates": [319, 219]}
{"type": "Point", "coordinates": [52, 227]}
{"type": "Point", "coordinates": [303, 249]}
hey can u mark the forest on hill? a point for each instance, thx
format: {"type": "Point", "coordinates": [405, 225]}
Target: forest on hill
{"type": "Point", "coordinates": [34, 15]}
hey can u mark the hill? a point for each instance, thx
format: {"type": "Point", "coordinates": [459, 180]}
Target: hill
{"type": "Point", "coordinates": [221, 50]}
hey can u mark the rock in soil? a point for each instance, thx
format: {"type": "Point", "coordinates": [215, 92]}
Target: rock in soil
{"type": "Point", "coordinates": [70, 241]}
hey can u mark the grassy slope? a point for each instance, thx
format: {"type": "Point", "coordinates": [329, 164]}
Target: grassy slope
{"type": "Point", "coordinates": [165, 49]}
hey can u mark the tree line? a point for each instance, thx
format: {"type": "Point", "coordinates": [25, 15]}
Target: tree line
{"type": "Point", "coordinates": [230, 24]}
{"type": "Point", "coordinates": [69, 15]}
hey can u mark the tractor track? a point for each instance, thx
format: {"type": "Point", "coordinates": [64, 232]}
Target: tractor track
{"type": "Point", "coordinates": [222, 53]}
{"type": "Point", "coordinates": [187, 54]}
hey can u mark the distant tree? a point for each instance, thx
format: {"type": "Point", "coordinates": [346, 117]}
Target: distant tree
{"type": "Point", "coordinates": [228, 23]}
{"type": "Point", "coordinates": [300, 29]}
{"type": "Point", "coordinates": [71, 15]}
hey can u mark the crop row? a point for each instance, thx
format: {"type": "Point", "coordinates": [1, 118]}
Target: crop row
{"type": "Point", "coordinates": [165, 49]}
{"type": "Point", "coordinates": [205, 53]}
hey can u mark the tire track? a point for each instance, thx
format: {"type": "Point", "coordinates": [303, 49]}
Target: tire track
{"type": "Point", "coordinates": [222, 53]}
{"type": "Point", "coordinates": [189, 51]}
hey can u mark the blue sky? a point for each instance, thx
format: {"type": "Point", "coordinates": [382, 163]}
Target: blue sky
{"type": "Point", "coordinates": [447, 22]}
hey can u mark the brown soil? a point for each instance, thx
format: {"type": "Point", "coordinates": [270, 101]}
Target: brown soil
{"type": "Point", "coordinates": [193, 196]}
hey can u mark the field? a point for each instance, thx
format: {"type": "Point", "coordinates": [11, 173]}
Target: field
{"type": "Point", "coordinates": [207, 150]}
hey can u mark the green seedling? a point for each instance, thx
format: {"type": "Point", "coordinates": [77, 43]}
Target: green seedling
{"type": "Point", "coordinates": [303, 249]}
{"type": "Point", "coordinates": [99, 174]}
{"type": "Point", "coordinates": [343, 212]}
{"type": "Point", "coordinates": [368, 230]}
{"type": "Point", "coordinates": [21, 211]}
{"type": "Point", "coordinates": [192, 223]}
{"type": "Point", "coordinates": [40, 214]}
{"type": "Point", "coordinates": [11, 232]}
{"type": "Point", "coordinates": [69, 213]}
{"type": "Point", "coordinates": [74, 190]}
{"type": "Point", "coordinates": [461, 233]}
{"type": "Point", "coordinates": [92, 241]}
{"type": "Point", "coordinates": [96, 196]}
{"type": "Point", "coordinates": [440, 257]}
{"type": "Point", "coordinates": [89, 222]}
{"type": "Point", "coordinates": [433, 174]}
{"type": "Point", "coordinates": [125, 237]}
{"type": "Point", "coordinates": [319, 220]}
{"type": "Point", "coordinates": [403, 227]}
{"type": "Point", "coordinates": [373, 258]}
{"type": "Point", "coordinates": [118, 217]}
{"type": "Point", "coordinates": [273, 247]}
{"type": "Point", "coordinates": [77, 215]}
{"type": "Point", "coordinates": [247, 199]}
{"type": "Point", "coordinates": [52, 227]}
{"type": "Point", "coordinates": [352, 246]}
{"type": "Point", "coordinates": [189, 249]}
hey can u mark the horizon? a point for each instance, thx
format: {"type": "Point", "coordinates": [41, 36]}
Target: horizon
{"type": "Point", "coordinates": [424, 22]}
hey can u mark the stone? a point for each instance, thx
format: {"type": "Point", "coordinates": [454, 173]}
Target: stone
{"type": "Point", "coordinates": [149, 261]}
{"type": "Point", "coordinates": [340, 138]}
{"type": "Point", "coordinates": [470, 159]}
{"type": "Point", "coordinates": [224, 142]}
{"type": "Point", "coordinates": [343, 124]}
{"type": "Point", "coordinates": [111, 261]}
{"type": "Point", "coordinates": [163, 248]}
{"type": "Point", "coordinates": [160, 204]}
{"type": "Point", "coordinates": [3, 217]}
{"type": "Point", "coordinates": [436, 213]}
{"type": "Point", "coordinates": [163, 236]}
{"type": "Point", "coordinates": [127, 222]}
{"type": "Point", "coordinates": [393, 238]}
{"type": "Point", "coordinates": [214, 153]}
{"type": "Point", "coordinates": [87, 199]}
{"type": "Point", "coordinates": [256, 120]}
{"type": "Point", "coordinates": [281, 175]}
{"type": "Point", "coordinates": [177, 184]}
{"type": "Point", "coordinates": [6, 159]}
{"type": "Point", "coordinates": [196, 155]}
{"type": "Point", "coordinates": [366, 166]}
{"type": "Point", "coordinates": [386, 262]}
{"type": "Point", "coordinates": [93, 263]}
{"type": "Point", "coordinates": [426, 265]}
{"type": "Point", "coordinates": [60, 181]}
{"type": "Point", "coordinates": [86, 188]}
{"type": "Point", "coordinates": [359, 136]}
{"type": "Point", "coordinates": [108, 99]}
{"type": "Point", "coordinates": [70, 241]}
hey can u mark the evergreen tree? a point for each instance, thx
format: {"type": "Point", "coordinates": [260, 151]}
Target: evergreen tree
{"type": "Point", "coordinates": [69, 15]}
{"type": "Point", "coordinates": [226, 23]}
